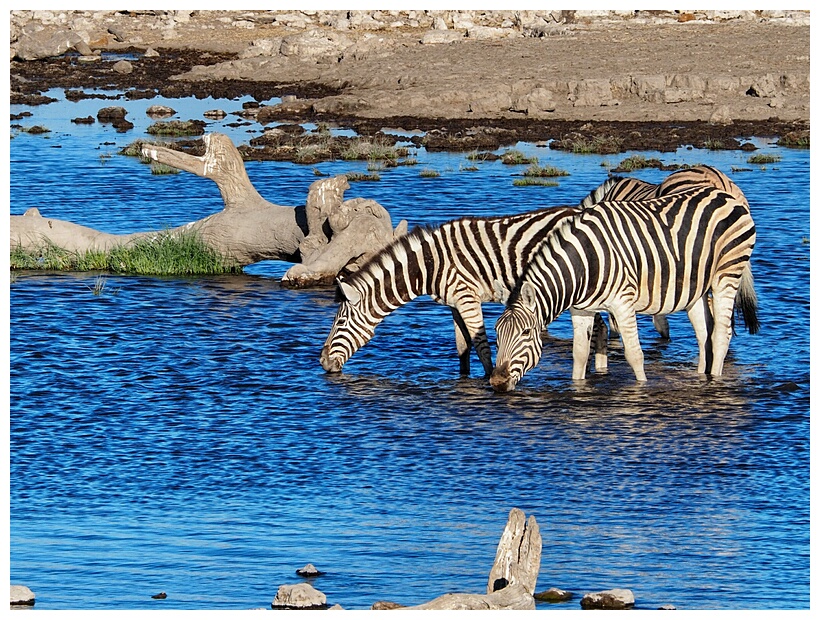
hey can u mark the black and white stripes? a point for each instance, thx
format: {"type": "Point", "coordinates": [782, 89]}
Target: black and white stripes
{"type": "Point", "coordinates": [460, 264]}
{"type": "Point", "coordinates": [688, 250]}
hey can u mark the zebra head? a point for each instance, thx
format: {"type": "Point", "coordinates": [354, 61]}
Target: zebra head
{"type": "Point", "coordinates": [352, 328]}
{"type": "Point", "coordinates": [518, 338]}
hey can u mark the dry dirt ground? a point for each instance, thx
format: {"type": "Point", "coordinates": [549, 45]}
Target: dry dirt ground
{"type": "Point", "coordinates": [467, 90]}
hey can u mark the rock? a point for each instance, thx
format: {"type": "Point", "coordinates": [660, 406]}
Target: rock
{"type": "Point", "coordinates": [381, 605]}
{"type": "Point", "coordinates": [484, 33]}
{"type": "Point", "coordinates": [721, 115]}
{"type": "Point", "coordinates": [441, 36]}
{"type": "Point", "coordinates": [151, 53]}
{"type": "Point", "coordinates": [538, 100]}
{"type": "Point", "coordinates": [592, 92]}
{"type": "Point", "coordinates": [617, 598]}
{"type": "Point", "coordinates": [667, 607]}
{"type": "Point", "coordinates": [299, 596]}
{"type": "Point", "coordinates": [111, 114]}
{"type": "Point", "coordinates": [314, 45]}
{"type": "Point", "coordinates": [216, 114]}
{"type": "Point", "coordinates": [553, 595]}
{"type": "Point", "coordinates": [160, 111]}
{"type": "Point", "coordinates": [45, 44]}
{"type": "Point", "coordinates": [161, 595]}
{"type": "Point", "coordinates": [262, 47]}
{"type": "Point", "coordinates": [336, 606]}
{"type": "Point", "coordinates": [21, 595]}
{"type": "Point", "coordinates": [649, 88]}
{"type": "Point", "coordinates": [117, 34]}
{"type": "Point", "coordinates": [83, 48]}
{"type": "Point", "coordinates": [309, 570]}
{"type": "Point", "coordinates": [123, 66]}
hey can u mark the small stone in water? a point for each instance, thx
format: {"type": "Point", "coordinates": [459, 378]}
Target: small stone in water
{"type": "Point", "coordinates": [309, 570]}
{"type": "Point", "coordinates": [160, 595]}
{"type": "Point", "coordinates": [553, 595]}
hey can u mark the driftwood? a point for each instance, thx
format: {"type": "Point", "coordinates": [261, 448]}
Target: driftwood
{"type": "Point", "coordinates": [514, 573]}
{"type": "Point", "coordinates": [323, 236]}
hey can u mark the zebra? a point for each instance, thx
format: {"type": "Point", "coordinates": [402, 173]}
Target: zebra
{"type": "Point", "coordinates": [461, 264]}
{"type": "Point", "coordinates": [477, 260]}
{"type": "Point", "coordinates": [618, 188]}
{"type": "Point", "coordinates": [686, 250]}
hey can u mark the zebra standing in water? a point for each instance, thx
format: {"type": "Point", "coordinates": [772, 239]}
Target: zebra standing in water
{"type": "Point", "coordinates": [461, 264]}
{"type": "Point", "coordinates": [618, 188]}
{"type": "Point", "coordinates": [653, 257]}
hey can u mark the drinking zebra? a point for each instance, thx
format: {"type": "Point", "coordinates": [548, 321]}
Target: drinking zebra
{"type": "Point", "coordinates": [461, 264]}
{"type": "Point", "coordinates": [476, 260]}
{"type": "Point", "coordinates": [687, 250]}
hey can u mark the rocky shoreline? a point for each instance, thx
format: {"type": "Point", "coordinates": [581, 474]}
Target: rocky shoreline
{"type": "Point", "coordinates": [653, 80]}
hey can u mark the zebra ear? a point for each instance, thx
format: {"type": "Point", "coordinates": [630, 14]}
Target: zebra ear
{"type": "Point", "coordinates": [500, 292]}
{"type": "Point", "coordinates": [350, 293]}
{"type": "Point", "coordinates": [528, 297]}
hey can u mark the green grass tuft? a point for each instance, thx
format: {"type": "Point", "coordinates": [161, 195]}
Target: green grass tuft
{"type": "Point", "coordinates": [534, 170]}
{"type": "Point", "coordinates": [514, 157]}
{"type": "Point", "coordinates": [534, 181]}
{"type": "Point", "coordinates": [166, 253]}
{"type": "Point", "coordinates": [763, 159]}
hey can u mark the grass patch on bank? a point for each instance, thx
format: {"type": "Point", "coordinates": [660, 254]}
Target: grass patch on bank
{"type": "Point", "coordinates": [534, 182]}
{"type": "Point", "coordinates": [763, 159]}
{"type": "Point", "coordinates": [535, 170]}
{"type": "Point", "coordinates": [165, 253]}
{"type": "Point", "coordinates": [514, 157]}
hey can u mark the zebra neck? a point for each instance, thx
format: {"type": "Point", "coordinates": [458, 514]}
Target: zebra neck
{"type": "Point", "coordinates": [554, 288]}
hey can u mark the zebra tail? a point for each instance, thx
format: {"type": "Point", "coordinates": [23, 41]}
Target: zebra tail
{"type": "Point", "coordinates": [746, 301]}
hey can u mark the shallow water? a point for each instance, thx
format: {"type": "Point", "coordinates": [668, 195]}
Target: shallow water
{"type": "Point", "coordinates": [179, 434]}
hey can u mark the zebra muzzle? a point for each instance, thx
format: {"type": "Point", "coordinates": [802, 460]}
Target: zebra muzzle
{"type": "Point", "coordinates": [501, 380]}
{"type": "Point", "coordinates": [330, 364]}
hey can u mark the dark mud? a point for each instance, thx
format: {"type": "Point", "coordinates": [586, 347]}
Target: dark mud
{"type": "Point", "coordinates": [152, 77]}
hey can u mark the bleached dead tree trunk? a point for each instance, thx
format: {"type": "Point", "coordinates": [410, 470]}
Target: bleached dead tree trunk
{"type": "Point", "coordinates": [323, 236]}
{"type": "Point", "coordinates": [514, 573]}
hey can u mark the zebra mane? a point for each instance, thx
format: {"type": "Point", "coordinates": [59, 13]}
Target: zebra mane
{"type": "Point", "coordinates": [373, 264]}
{"type": "Point", "coordinates": [596, 195]}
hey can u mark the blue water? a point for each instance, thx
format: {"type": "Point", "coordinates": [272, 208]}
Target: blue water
{"type": "Point", "coordinates": [179, 434]}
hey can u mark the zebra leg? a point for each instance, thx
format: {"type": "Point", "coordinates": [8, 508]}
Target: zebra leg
{"type": "Point", "coordinates": [600, 336]}
{"type": "Point", "coordinates": [614, 332]}
{"type": "Point", "coordinates": [470, 321]}
{"type": "Point", "coordinates": [701, 318]}
{"type": "Point", "coordinates": [463, 344]}
{"type": "Point", "coordinates": [582, 324]}
{"type": "Point", "coordinates": [723, 308]}
{"type": "Point", "coordinates": [661, 324]}
{"type": "Point", "coordinates": [628, 324]}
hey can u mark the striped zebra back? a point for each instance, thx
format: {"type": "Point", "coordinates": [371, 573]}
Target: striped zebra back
{"type": "Point", "coordinates": [702, 175]}
{"type": "Point", "coordinates": [620, 188]}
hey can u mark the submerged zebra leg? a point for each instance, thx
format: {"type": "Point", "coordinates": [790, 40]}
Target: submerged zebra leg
{"type": "Point", "coordinates": [723, 309]}
{"type": "Point", "coordinates": [582, 324]}
{"type": "Point", "coordinates": [700, 316]}
{"type": "Point", "coordinates": [661, 324]}
{"type": "Point", "coordinates": [600, 337]}
{"type": "Point", "coordinates": [469, 320]}
{"type": "Point", "coordinates": [628, 324]}
{"type": "Point", "coordinates": [463, 344]}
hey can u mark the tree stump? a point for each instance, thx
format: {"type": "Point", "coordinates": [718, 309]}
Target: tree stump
{"type": "Point", "coordinates": [514, 573]}
{"type": "Point", "coordinates": [326, 235]}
